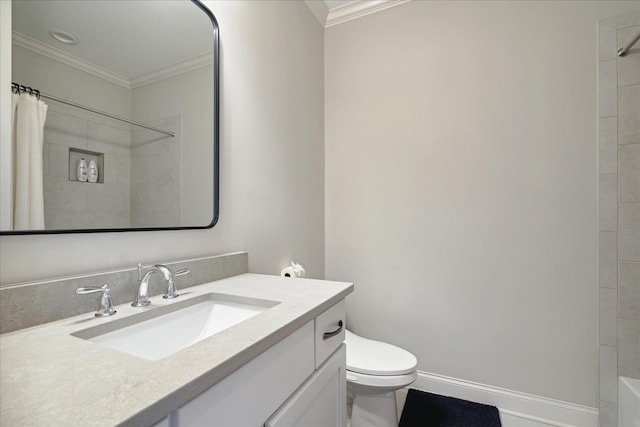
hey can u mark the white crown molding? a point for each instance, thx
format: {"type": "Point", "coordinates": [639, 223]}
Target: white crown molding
{"type": "Point", "coordinates": [68, 59]}
{"type": "Point", "coordinates": [527, 406]}
{"type": "Point", "coordinates": [73, 61]}
{"type": "Point", "coordinates": [358, 9]}
{"type": "Point", "coordinates": [189, 65]}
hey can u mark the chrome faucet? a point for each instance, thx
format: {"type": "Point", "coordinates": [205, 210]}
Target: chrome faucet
{"type": "Point", "coordinates": [142, 296]}
{"type": "Point", "coordinates": [105, 305]}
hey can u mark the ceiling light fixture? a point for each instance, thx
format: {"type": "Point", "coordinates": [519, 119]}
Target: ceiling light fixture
{"type": "Point", "coordinates": [63, 37]}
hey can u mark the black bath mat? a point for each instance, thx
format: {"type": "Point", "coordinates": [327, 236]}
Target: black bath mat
{"type": "Point", "coordinates": [423, 409]}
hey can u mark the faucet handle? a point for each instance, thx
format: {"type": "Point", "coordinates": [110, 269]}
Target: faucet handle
{"type": "Point", "coordinates": [105, 305]}
{"type": "Point", "coordinates": [172, 291]}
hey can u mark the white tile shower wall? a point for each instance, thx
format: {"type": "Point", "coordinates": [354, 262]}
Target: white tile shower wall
{"type": "Point", "coordinates": [608, 370]}
{"type": "Point", "coordinates": [182, 97]}
{"type": "Point", "coordinates": [608, 89]}
{"type": "Point", "coordinates": [608, 259]}
{"type": "Point", "coordinates": [629, 231]}
{"type": "Point", "coordinates": [628, 279]}
{"type": "Point", "coordinates": [607, 206]}
{"type": "Point", "coordinates": [629, 69]}
{"type": "Point", "coordinates": [628, 110]}
{"type": "Point", "coordinates": [72, 204]}
{"type": "Point", "coordinates": [629, 348]}
{"type": "Point", "coordinates": [608, 414]}
{"type": "Point", "coordinates": [629, 172]}
{"type": "Point", "coordinates": [155, 176]}
{"type": "Point", "coordinates": [619, 207]}
{"type": "Point", "coordinates": [608, 131]}
{"type": "Point", "coordinates": [608, 317]}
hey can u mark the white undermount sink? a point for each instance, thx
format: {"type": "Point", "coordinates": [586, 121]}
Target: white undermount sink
{"type": "Point", "coordinates": [163, 331]}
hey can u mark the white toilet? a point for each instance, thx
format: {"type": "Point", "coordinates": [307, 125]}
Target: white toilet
{"type": "Point", "coordinates": [375, 370]}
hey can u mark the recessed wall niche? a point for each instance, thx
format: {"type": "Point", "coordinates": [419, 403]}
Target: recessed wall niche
{"type": "Point", "coordinates": [76, 154]}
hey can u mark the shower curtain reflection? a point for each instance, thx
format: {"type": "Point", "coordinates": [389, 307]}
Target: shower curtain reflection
{"type": "Point", "coordinates": [28, 115]}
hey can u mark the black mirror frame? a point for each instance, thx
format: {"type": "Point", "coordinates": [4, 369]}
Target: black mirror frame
{"type": "Point", "coordinates": [216, 152]}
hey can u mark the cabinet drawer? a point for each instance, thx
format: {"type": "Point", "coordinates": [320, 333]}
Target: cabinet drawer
{"type": "Point", "coordinates": [329, 331]}
{"type": "Point", "coordinates": [322, 399]}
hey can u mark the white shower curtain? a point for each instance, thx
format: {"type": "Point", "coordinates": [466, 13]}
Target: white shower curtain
{"type": "Point", "coordinates": [28, 115]}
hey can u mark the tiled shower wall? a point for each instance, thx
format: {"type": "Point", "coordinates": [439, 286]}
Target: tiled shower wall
{"type": "Point", "coordinates": [73, 204]}
{"type": "Point", "coordinates": [141, 172]}
{"type": "Point", "coordinates": [619, 216]}
{"type": "Point", "coordinates": [155, 176]}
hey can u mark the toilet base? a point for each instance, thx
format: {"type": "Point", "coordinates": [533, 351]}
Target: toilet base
{"type": "Point", "coordinates": [374, 410]}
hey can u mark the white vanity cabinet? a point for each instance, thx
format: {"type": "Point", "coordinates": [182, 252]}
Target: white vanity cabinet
{"type": "Point", "coordinates": [300, 381]}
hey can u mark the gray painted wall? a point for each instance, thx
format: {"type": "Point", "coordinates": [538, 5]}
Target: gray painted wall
{"type": "Point", "coordinates": [461, 187]}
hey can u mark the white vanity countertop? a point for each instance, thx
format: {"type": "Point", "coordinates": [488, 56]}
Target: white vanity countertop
{"type": "Point", "coordinates": [49, 377]}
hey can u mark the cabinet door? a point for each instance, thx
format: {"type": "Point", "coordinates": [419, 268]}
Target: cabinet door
{"type": "Point", "coordinates": [321, 401]}
{"type": "Point", "coordinates": [248, 396]}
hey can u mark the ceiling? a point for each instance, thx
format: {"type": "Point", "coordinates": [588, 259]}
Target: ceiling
{"type": "Point", "coordinates": [165, 32]}
{"type": "Point", "coordinates": [334, 12]}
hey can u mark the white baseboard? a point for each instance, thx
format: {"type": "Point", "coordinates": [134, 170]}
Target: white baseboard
{"type": "Point", "coordinates": [521, 405]}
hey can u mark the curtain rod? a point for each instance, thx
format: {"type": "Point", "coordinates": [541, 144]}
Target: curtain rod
{"type": "Point", "coordinates": [624, 50]}
{"type": "Point", "coordinates": [18, 88]}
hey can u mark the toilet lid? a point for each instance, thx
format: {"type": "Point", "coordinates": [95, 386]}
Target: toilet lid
{"type": "Point", "coordinates": [377, 358]}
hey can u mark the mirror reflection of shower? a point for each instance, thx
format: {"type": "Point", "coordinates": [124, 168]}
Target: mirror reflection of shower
{"type": "Point", "coordinates": [139, 104]}
{"type": "Point", "coordinates": [107, 139]}
{"type": "Point", "coordinates": [28, 116]}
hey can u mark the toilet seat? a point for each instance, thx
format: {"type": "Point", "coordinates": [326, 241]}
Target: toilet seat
{"type": "Point", "coordinates": [375, 358]}
{"type": "Point", "coordinates": [391, 382]}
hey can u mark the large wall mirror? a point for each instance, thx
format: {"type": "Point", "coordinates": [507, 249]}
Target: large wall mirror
{"type": "Point", "coordinates": [128, 89]}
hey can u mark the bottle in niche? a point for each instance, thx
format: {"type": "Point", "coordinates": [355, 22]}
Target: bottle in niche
{"type": "Point", "coordinates": [81, 171]}
{"type": "Point", "coordinates": [93, 171]}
